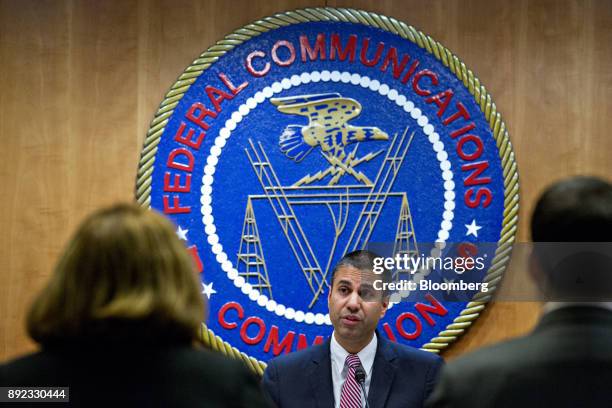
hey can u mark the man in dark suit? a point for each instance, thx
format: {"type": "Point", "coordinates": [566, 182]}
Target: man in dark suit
{"type": "Point", "coordinates": [356, 360]}
{"type": "Point", "coordinates": [567, 360]}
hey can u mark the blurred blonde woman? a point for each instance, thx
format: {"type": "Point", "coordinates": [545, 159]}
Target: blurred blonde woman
{"type": "Point", "coordinates": [118, 322]}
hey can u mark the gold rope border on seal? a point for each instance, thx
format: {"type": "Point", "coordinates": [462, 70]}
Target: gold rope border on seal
{"type": "Point", "coordinates": [511, 183]}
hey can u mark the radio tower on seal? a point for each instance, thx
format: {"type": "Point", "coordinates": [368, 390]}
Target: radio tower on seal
{"type": "Point", "coordinates": [251, 263]}
{"type": "Point", "coordinates": [405, 239]}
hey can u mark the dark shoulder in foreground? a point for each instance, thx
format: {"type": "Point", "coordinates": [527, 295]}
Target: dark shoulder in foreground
{"type": "Point", "coordinates": [178, 376]}
{"type": "Point", "coordinates": [490, 357]}
{"type": "Point", "coordinates": [562, 367]}
{"type": "Point", "coordinates": [69, 362]}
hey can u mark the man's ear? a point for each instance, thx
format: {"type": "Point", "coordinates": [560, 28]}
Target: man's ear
{"type": "Point", "coordinates": [385, 305]}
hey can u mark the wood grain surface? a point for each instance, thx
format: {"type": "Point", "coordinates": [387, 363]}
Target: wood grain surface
{"type": "Point", "coordinates": [81, 80]}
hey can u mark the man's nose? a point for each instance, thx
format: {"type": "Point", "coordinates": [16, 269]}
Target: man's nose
{"type": "Point", "coordinates": [354, 302]}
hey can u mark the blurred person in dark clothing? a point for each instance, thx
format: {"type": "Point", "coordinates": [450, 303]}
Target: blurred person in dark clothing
{"type": "Point", "coordinates": [567, 360]}
{"type": "Point", "coordinates": [118, 323]}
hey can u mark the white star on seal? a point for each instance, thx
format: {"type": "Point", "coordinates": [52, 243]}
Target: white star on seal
{"type": "Point", "coordinates": [472, 229]}
{"type": "Point", "coordinates": [182, 233]}
{"type": "Point", "coordinates": [208, 290]}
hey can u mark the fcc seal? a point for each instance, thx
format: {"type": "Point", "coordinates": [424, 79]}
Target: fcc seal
{"type": "Point", "coordinates": [313, 133]}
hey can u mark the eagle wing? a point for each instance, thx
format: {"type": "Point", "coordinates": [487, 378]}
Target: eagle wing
{"type": "Point", "coordinates": [292, 143]}
{"type": "Point", "coordinates": [325, 110]}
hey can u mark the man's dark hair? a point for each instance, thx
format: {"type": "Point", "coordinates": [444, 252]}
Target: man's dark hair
{"type": "Point", "coordinates": [362, 260]}
{"type": "Point", "coordinates": [569, 219]}
{"type": "Point", "coordinates": [578, 209]}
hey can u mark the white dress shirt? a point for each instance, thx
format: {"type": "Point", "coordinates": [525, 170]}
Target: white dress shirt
{"type": "Point", "coordinates": [339, 370]}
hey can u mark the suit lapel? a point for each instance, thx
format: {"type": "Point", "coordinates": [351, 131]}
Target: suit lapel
{"type": "Point", "coordinates": [382, 374]}
{"type": "Point", "coordinates": [320, 378]}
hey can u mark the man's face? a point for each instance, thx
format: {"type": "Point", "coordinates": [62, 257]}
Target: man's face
{"type": "Point", "coordinates": [355, 307]}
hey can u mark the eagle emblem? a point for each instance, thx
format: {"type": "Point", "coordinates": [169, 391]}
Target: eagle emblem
{"type": "Point", "coordinates": [327, 128]}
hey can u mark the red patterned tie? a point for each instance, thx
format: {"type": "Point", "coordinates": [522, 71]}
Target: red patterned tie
{"type": "Point", "coordinates": [350, 396]}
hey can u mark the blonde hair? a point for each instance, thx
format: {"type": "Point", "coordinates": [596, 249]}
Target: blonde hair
{"type": "Point", "coordinates": [125, 272]}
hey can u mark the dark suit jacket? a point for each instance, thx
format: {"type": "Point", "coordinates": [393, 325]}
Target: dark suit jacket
{"type": "Point", "coordinates": [565, 362]}
{"type": "Point", "coordinates": [176, 376]}
{"type": "Point", "coordinates": [401, 377]}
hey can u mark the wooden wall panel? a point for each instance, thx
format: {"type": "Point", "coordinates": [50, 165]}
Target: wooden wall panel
{"type": "Point", "coordinates": [80, 81]}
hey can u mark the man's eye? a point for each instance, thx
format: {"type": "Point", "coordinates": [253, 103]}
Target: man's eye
{"type": "Point", "coordinates": [343, 289]}
{"type": "Point", "coordinates": [367, 294]}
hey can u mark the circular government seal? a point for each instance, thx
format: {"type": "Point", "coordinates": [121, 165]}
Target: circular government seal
{"type": "Point", "coordinates": [306, 135]}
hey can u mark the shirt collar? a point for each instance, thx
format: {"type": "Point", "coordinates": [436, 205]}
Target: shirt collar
{"type": "Point", "coordinates": [366, 355]}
